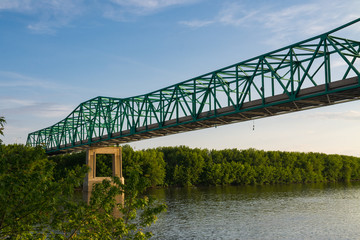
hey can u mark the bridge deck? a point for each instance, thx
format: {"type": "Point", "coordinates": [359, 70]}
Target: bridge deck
{"type": "Point", "coordinates": [318, 96]}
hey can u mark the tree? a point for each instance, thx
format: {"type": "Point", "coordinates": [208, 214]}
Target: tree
{"type": "Point", "coordinates": [97, 221]}
{"type": "Point", "coordinates": [149, 163]}
{"type": "Point", "coordinates": [27, 193]}
{"type": "Point", "coordinates": [66, 163]}
{"type": "Point", "coordinates": [2, 123]}
{"type": "Point", "coordinates": [153, 166]}
{"type": "Point", "coordinates": [34, 206]}
{"type": "Point", "coordinates": [184, 166]}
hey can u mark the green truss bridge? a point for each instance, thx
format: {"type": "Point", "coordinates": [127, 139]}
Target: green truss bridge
{"type": "Point", "coordinates": [316, 72]}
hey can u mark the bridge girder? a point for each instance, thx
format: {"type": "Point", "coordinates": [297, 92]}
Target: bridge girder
{"type": "Point", "coordinates": [293, 78]}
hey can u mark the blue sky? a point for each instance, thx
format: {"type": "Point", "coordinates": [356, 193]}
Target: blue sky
{"type": "Point", "coordinates": [56, 54]}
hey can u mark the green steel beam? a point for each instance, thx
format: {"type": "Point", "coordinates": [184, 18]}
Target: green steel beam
{"type": "Point", "coordinates": [214, 97]}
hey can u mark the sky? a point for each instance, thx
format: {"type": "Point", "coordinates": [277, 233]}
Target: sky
{"type": "Point", "coordinates": [55, 54]}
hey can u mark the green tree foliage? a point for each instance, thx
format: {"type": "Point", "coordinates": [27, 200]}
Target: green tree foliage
{"type": "Point", "coordinates": [66, 163]}
{"type": "Point", "coordinates": [96, 220]}
{"type": "Point", "coordinates": [153, 166]}
{"type": "Point", "coordinates": [28, 194]}
{"type": "Point", "coordinates": [104, 165]}
{"type": "Point", "coordinates": [2, 123]}
{"type": "Point", "coordinates": [35, 206]}
{"type": "Point", "coordinates": [183, 166]}
{"type": "Point", "coordinates": [149, 164]}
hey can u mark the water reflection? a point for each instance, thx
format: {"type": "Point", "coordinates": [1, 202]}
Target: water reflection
{"type": "Point", "coordinates": [312, 211]}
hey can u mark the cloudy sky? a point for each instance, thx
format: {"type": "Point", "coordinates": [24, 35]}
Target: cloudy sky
{"type": "Point", "coordinates": [55, 54]}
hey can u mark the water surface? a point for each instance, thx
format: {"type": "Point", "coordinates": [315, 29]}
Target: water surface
{"type": "Point", "coordinates": [314, 211]}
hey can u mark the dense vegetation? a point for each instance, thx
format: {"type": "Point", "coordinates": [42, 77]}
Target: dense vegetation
{"type": "Point", "coordinates": [183, 166]}
{"type": "Point", "coordinates": [37, 200]}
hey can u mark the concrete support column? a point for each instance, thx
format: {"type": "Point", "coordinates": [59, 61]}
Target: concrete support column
{"type": "Point", "coordinates": [90, 178]}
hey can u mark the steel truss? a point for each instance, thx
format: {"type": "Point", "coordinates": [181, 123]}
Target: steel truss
{"type": "Point", "coordinates": [292, 78]}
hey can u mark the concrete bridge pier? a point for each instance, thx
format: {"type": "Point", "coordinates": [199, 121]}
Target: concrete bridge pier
{"type": "Point", "coordinates": [90, 178]}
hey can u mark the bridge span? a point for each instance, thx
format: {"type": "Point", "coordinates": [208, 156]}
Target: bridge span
{"type": "Point", "coordinates": [316, 72]}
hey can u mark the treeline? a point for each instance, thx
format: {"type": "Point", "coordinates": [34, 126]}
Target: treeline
{"type": "Point", "coordinates": [183, 166]}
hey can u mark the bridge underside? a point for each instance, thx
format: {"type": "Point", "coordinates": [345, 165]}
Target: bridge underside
{"type": "Point", "coordinates": [313, 97]}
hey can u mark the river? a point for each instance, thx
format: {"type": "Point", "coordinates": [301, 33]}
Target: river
{"type": "Point", "coordinates": [298, 211]}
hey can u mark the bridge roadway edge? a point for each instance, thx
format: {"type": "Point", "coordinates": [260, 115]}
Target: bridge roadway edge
{"type": "Point", "coordinates": [309, 98]}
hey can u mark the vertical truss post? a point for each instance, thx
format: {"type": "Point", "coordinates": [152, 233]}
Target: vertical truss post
{"type": "Point", "coordinates": [327, 65]}
{"type": "Point", "coordinates": [161, 110]}
{"type": "Point", "coordinates": [132, 128]}
{"type": "Point", "coordinates": [215, 80]}
{"type": "Point", "coordinates": [228, 94]}
{"type": "Point", "coordinates": [262, 82]}
{"type": "Point", "coordinates": [292, 73]}
{"type": "Point", "coordinates": [237, 88]}
{"type": "Point", "coordinates": [272, 84]}
{"type": "Point", "coordinates": [194, 100]}
{"type": "Point", "coordinates": [177, 102]}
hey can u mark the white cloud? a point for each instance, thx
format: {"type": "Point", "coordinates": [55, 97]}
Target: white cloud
{"type": "Point", "coordinates": [8, 103]}
{"type": "Point", "coordinates": [196, 23]}
{"type": "Point", "coordinates": [306, 20]}
{"type": "Point", "coordinates": [11, 107]}
{"type": "Point", "coordinates": [43, 27]}
{"type": "Point", "coordinates": [18, 80]}
{"type": "Point", "coordinates": [286, 24]}
{"type": "Point", "coordinates": [123, 10]}
{"type": "Point", "coordinates": [231, 14]}
{"type": "Point", "coordinates": [346, 115]}
{"type": "Point", "coordinates": [151, 4]}
{"type": "Point", "coordinates": [49, 15]}
{"type": "Point", "coordinates": [54, 14]}
{"type": "Point", "coordinates": [17, 5]}
{"type": "Point", "coordinates": [53, 110]}
{"type": "Point", "coordinates": [235, 14]}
